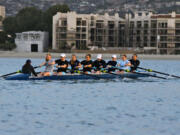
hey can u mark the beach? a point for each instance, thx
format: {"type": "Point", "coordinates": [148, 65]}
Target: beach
{"type": "Point", "coordinates": [13, 54]}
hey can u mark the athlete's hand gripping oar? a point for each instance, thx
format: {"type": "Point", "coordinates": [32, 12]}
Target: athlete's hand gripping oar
{"type": "Point", "coordinates": [19, 71]}
{"type": "Point", "coordinates": [150, 70]}
{"type": "Point", "coordinates": [91, 75]}
{"type": "Point", "coordinates": [87, 74]}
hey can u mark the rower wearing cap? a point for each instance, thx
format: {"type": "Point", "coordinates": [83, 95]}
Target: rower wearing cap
{"type": "Point", "coordinates": [124, 64]}
{"type": "Point", "coordinates": [112, 64]}
{"type": "Point", "coordinates": [134, 62]}
{"type": "Point", "coordinates": [49, 66]}
{"type": "Point", "coordinates": [74, 63]}
{"type": "Point", "coordinates": [99, 64]}
{"type": "Point", "coordinates": [87, 64]}
{"type": "Point", "coordinates": [62, 64]}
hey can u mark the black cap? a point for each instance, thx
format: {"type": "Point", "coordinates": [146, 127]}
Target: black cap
{"type": "Point", "coordinates": [28, 61]}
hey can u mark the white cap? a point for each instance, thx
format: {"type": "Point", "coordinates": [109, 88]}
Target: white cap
{"type": "Point", "coordinates": [114, 56]}
{"type": "Point", "coordinates": [63, 55]}
{"type": "Point", "coordinates": [99, 56]}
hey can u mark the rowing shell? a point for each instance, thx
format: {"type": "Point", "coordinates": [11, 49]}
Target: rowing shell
{"type": "Point", "coordinates": [77, 76]}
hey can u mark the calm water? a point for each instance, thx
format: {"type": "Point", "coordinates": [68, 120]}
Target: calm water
{"type": "Point", "coordinates": [117, 107]}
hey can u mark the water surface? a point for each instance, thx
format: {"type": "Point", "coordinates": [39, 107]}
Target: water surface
{"type": "Point", "coordinates": [93, 107]}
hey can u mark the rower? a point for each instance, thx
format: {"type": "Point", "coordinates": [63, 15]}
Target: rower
{"type": "Point", "coordinates": [134, 62]}
{"type": "Point", "coordinates": [74, 63]}
{"type": "Point", "coordinates": [124, 64]}
{"type": "Point", "coordinates": [49, 66]}
{"type": "Point", "coordinates": [112, 64]}
{"type": "Point", "coordinates": [62, 64]}
{"type": "Point", "coordinates": [99, 64]}
{"type": "Point", "coordinates": [87, 64]}
{"type": "Point", "coordinates": [28, 68]}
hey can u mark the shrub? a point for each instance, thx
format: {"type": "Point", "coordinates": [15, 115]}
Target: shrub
{"type": "Point", "coordinates": [7, 46]}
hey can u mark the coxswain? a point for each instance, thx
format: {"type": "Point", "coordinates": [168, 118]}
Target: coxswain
{"type": "Point", "coordinates": [28, 68]}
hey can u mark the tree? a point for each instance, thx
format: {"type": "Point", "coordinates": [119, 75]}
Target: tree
{"type": "Point", "coordinates": [10, 25]}
{"type": "Point", "coordinates": [33, 19]}
{"type": "Point", "coordinates": [48, 17]}
{"type": "Point", "coordinates": [7, 46]}
{"type": "Point", "coordinates": [3, 37]}
{"type": "Point", "coordinates": [29, 19]}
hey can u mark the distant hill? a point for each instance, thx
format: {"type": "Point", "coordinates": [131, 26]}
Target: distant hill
{"type": "Point", "coordinates": [96, 6]}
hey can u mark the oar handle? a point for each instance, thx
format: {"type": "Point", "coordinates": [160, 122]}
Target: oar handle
{"type": "Point", "coordinates": [37, 67]}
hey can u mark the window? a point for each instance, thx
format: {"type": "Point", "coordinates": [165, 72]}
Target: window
{"type": "Point", "coordinates": [111, 24]}
{"type": "Point", "coordinates": [78, 36]}
{"type": "Point", "coordinates": [139, 14]}
{"type": "Point", "coordinates": [153, 24]}
{"type": "Point", "coordinates": [83, 23]}
{"type": "Point", "coordinates": [131, 24]}
{"type": "Point", "coordinates": [63, 36]}
{"type": "Point", "coordinates": [78, 21]}
{"type": "Point", "coordinates": [178, 25]}
{"type": "Point", "coordinates": [146, 25]}
{"type": "Point", "coordinates": [83, 36]}
{"type": "Point", "coordinates": [64, 23]}
{"type": "Point", "coordinates": [25, 36]}
{"type": "Point", "coordinates": [83, 29]}
{"type": "Point", "coordinates": [162, 25]}
{"type": "Point", "coordinates": [138, 32]}
{"type": "Point", "coordinates": [153, 38]}
{"type": "Point", "coordinates": [18, 37]}
{"type": "Point", "coordinates": [78, 29]}
{"type": "Point", "coordinates": [139, 24]}
{"type": "Point", "coordinates": [145, 32]}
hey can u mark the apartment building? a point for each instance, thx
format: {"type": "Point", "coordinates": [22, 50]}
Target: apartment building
{"type": "Point", "coordinates": [154, 33]}
{"type": "Point", "coordinates": [82, 31]}
{"type": "Point", "coordinates": [144, 32]}
{"type": "Point", "coordinates": [2, 16]}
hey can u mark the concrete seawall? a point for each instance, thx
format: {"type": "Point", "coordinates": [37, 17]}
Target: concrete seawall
{"type": "Point", "coordinates": [12, 54]}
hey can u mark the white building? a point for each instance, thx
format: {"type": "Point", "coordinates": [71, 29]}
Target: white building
{"type": "Point", "coordinates": [32, 41]}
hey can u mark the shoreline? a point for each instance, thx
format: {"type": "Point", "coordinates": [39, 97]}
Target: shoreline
{"type": "Point", "coordinates": [12, 54]}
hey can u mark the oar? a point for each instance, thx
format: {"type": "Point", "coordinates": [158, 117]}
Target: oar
{"type": "Point", "coordinates": [150, 70]}
{"type": "Point", "coordinates": [91, 75]}
{"type": "Point", "coordinates": [19, 71]}
{"type": "Point", "coordinates": [155, 76]}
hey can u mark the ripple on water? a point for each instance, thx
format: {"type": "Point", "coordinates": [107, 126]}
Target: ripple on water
{"type": "Point", "coordinates": [93, 107]}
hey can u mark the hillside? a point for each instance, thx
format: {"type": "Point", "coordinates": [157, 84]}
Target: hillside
{"type": "Point", "coordinates": [96, 6]}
